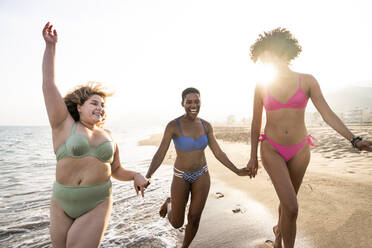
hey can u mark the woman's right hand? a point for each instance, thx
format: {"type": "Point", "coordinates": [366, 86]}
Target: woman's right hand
{"type": "Point", "coordinates": [364, 145]}
{"type": "Point", "coordinates": [140, 183]}
{"type": "Point", "coordinates": [243, 172]}
{"type": "Point", "coordinates": [252, 167]}
{"type": "Point", "coordinates": [50, 36]}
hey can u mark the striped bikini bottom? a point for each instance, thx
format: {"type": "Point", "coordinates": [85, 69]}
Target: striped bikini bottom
{"type": "Point", "coordinates": [192, 176]}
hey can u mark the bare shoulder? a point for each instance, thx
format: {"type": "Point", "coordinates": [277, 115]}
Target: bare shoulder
{"type": "Point", "coordinates": [171, 126]}
{"type": "Point", "coordinates": [260, 88]}
{"type": "Point", "coordinates": [64, 129]}
{"type": "Point", "coordinates": [62, 132]}
{"type": "Point", "coordinates": [208, 126]}
{"type": "Point", "coordinates": [309, 83]}
{"type": "Point", "coordinates": [111, 138]}
{"type": "Point", "coordinates": [308, 79]}
{"type": "Point", "coordinates": [107, 131]}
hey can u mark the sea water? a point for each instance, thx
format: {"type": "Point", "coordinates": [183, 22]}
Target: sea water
{"type": "Point", "coordinates": [27, 165]}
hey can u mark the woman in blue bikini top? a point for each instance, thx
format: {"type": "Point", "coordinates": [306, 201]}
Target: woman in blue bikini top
{"type": "Point", "coordinates": [191, 135]}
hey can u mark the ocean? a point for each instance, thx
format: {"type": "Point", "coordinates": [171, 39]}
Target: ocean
{"type": "Point", "coordinates": [27, 165]}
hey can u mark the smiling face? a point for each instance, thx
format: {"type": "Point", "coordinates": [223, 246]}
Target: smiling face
{"type": "Point", "coordinates": [93, 109]}
{"type": "Point", "coordinates": [191, 104]}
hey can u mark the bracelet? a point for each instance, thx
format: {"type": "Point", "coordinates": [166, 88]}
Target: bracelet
{"type": "Point", "coordinates": [355, 140]}
{"type": "Point", "coordinates": [148, 180]}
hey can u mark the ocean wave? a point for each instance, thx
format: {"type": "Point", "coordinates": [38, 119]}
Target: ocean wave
{"type": "Point", "coordinates": [26, 190]}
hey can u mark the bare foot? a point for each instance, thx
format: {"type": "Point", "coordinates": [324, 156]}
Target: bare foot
{"type": "Point", "coordinates": [164, 208]}
{"type": "Point", "coordinates": [278, 237]}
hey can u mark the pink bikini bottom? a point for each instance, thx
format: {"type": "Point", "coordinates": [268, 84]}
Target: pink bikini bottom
{"type": "Point", "coordinates": [287, 152]}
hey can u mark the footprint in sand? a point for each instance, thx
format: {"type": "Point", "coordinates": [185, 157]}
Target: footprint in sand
{"type": "Point", "coordinates": [236, 210]}
{"type": "Point", "coordinates": [311, 188]}
{"type": "Point", "coordinates": [262, 244]}
{"type": "Point", "coordinates": [219, 195]}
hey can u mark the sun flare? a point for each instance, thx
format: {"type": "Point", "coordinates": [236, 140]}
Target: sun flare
{"type": "Point", "coordinates": [264, 73]}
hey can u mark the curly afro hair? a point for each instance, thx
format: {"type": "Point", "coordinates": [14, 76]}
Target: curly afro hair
{"type": "Point", "coordinates": [278, 41]}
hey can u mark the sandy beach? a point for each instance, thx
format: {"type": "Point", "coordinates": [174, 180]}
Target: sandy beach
{"type": "Point", "coordinates": [335, 199]}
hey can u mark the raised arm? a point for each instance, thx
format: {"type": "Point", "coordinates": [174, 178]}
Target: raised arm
{"type": "Point", "coordinates": [119, 173]}
{"type": "Point", "coordinates": [56, 108]}
{"type": "Point", "coordinates": [330, 117]}
{"type": "Point", "coordinates": [162, 150]}
{"type": "Point", "coordinates": [219, 154]}
{"type": "Point", "coordinates": [255, 129]}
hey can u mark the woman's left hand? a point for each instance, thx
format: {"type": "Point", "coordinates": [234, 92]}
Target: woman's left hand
{"type": "Point", "coordinates": [364, 145]}
{"type": "Point", "coordinates": [139, 183]}
{"type": "Point", "coordinates": [252, 167]}
{"type": "Point", "coordinates": [50, 35]}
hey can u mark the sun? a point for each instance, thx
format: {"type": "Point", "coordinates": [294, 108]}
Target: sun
{"type": "Point", "coordinates": [264, 73]}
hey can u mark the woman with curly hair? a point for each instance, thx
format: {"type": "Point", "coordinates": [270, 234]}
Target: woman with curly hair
{"type": "Point", "coordinates": [285, 143]}
{"type": "Point", "coordinates": [86, 158]}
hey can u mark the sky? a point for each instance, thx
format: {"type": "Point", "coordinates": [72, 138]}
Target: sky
{"type": "Point", "coordinates": [149, 51]}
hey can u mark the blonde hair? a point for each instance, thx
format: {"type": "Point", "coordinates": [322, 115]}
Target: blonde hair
{"type": "Point", "coordinates": [81, 93]}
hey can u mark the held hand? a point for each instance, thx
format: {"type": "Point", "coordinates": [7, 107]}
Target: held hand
{"type": "Point", "coordinates": [50, 36]}
{"type": "Point", "coordinates": [243, 172]}
{"type": "Point", "coordinates": [252, 167]}
{"type": "Point", "coordinates": [139, 183]}
{"type": "Point", "coordinates": [364, 145]}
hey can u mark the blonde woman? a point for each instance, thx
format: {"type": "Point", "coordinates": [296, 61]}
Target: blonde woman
{"type": "Point", "coordinates": [86, 156]}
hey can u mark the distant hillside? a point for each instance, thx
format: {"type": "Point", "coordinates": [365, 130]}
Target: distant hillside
{"type": "Point", "coordinates": [349, 98]}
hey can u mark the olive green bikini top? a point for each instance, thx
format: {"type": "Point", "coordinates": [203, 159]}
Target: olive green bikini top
{"type": "Point", "coordinates": [78, 146]}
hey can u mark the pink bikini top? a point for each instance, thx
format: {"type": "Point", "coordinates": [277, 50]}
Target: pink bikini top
{"type": "Point", "coordinates": [297, 101]}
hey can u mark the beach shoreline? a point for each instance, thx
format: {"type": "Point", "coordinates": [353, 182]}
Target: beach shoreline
{"type": "Point", "coordinates": [333, 199]}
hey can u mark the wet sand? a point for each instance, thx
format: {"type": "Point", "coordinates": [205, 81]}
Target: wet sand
{"type": "Point", "coordinates": [335, 199]}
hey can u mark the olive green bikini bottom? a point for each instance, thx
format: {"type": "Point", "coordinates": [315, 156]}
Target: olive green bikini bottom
{"type": "Point", "coordinates": [78, 200]}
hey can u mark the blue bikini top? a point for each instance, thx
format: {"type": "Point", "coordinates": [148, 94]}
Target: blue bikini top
{"type": "Point", "coordinates": [188, 144]}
